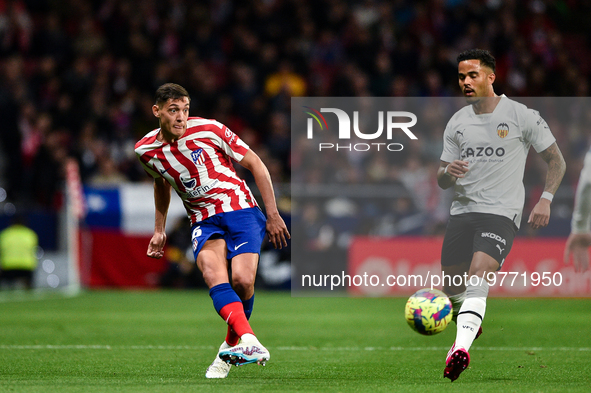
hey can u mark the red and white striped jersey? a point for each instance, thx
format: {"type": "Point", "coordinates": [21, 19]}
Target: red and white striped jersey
{"type": "Point", "coordinates": [199, 167]}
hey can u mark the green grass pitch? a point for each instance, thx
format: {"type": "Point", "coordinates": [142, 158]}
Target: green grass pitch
{"type": "Point", "coordinates": [159, 341]}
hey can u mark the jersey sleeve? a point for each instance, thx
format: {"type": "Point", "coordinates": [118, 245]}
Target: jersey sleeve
{"type": "Point", "coordinates": [451, 149]}
{"type": "Point", "coordinates": [141, 150]}
{"type": "Point", "coordinates": [148, 169]}
{"type": "Point", "coordinates": [231, 144]}
{"type": "Point", "coordinates": [537, 132]}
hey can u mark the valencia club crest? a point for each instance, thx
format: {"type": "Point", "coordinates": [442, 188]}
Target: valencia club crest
{"type": "Point", "coordinates": [502, 130]}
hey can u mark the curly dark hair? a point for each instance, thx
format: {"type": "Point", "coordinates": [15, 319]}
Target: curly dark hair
{"type": "Point", "coordinates": [483, 55]}
{"type": "Point", "coordinates": [168, 91]}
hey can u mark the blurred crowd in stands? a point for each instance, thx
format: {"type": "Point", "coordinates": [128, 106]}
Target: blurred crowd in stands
{"type": "Point", "coordinates": [77, 77]}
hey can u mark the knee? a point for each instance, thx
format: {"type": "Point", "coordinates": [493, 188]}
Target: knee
{"type": "Point", "coordinates": [482, 265]}
{"type": "Point", "coordinates": [243, 285]}
{"type": "Point", "coordinates": [482, 272]}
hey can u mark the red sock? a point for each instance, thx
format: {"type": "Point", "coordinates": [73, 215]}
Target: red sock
{"type": "Point", "coordinates": [233, 314]}
{"type": "Point", "coordinates": [232, 338]}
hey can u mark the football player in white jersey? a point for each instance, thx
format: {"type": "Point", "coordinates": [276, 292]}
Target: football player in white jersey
{"type": "Point", "coordinates": [485, 148]}
{"type": "Point", "coordinates": [579, 240]}
{"type": "Point", "coordinates": [194, 156]}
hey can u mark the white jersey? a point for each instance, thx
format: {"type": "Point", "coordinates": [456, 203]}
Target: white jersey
{"type": "Point", "coordinates": [496, 146]}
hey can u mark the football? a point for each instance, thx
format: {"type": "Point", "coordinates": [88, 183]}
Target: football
{"type": "Point", "coordinates": [428, 311]}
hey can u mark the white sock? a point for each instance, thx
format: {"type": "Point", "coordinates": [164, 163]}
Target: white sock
{"type": "Point", "coordinates": [471, 313]}
{"type": "Point", "coordinates": [456, 302]}
{"type": "Point", "coordinates": [225, 345]}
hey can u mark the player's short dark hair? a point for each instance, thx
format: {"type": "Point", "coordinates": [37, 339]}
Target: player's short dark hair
{"type": "Point", "coordinates": [168, 91]}
{"type": "Point", "coordinates": [486, 59]}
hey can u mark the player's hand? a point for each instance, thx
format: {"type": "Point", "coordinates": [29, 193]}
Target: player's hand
{"type": "Point", "coordinates": [458, 168]}
{"type": "Point", "coordinates": [156, 246]}
{"type": "Point", "coordinates": [277, 231]}
{"type": "Point", "coordinates": [578, 245]}
{"type": "Point", "coordinates": [540, 214]}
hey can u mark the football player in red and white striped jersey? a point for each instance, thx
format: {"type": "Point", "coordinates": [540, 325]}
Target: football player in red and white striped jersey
{"type": "Point", "coordinates": [194, 156]}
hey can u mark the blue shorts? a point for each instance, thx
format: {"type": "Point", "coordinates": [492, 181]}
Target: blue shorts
{"type": "Point", "coordinates": [243, 230]}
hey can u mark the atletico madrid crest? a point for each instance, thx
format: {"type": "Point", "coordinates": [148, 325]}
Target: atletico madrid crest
{"type": "Point", "coordinates": [198, 157]}
{"type": "Point", "coordinates": [502, 130]}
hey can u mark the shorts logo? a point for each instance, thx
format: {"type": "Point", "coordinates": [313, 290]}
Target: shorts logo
{"type": "Point", "coordinates": [500, 249]}
{"type": "Point", "coordinates": [502, 130]}
{"type": "Point", "coordinates": [495, 237]}
{"type": "Point", "coordinates": [238, 246]}
{"type": "Point", "coordinates": [198, 157]}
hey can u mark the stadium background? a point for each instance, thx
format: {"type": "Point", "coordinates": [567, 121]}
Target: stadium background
{"type": "Point", "coordinates": [77, 81]}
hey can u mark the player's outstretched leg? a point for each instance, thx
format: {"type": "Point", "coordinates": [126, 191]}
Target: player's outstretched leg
{"type": "Point", "coordinates": [469, 320]}
{"type": "Point", "coordinates": [218, 368]}
{"type": "Point", "coordinates": [230, 308]}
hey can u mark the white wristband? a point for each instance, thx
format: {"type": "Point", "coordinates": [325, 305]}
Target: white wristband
{"type": "Point", "coordinates": [445, 171]}
{"type": "Point", "coordinates": [547, 195]}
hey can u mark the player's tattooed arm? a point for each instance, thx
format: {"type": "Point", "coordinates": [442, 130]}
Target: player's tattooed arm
{"type": "Point", "coordinates": [556, 167]}
{"type": "Point", "coordinates": [540, 214]}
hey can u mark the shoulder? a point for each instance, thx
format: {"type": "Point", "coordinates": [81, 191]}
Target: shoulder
{"type": "Point", "coordinates": [148, 141]}
{"type": "Point", "coordinates": [197, 126]}
{"type": "Point", "coordinates": [460, 116]}
{"type": "Point", "coordinates": [517, 108]}
{"type": "Point", "coordinates": [512, 103]}
{"type": "Point", "coordinates": [211, 132]}
{"type": "Point", "coordinates": [463, 113]}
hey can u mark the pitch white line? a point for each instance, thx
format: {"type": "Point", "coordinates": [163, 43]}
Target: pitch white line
{"type": "Point", "coordinates": [22, 295]}
{"type": "Point", "coordinates": [527, 349]}
{"type": "Point", "coordinates": [330, 349]}
{"type": "Point", "coordinates": [110, 347]}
